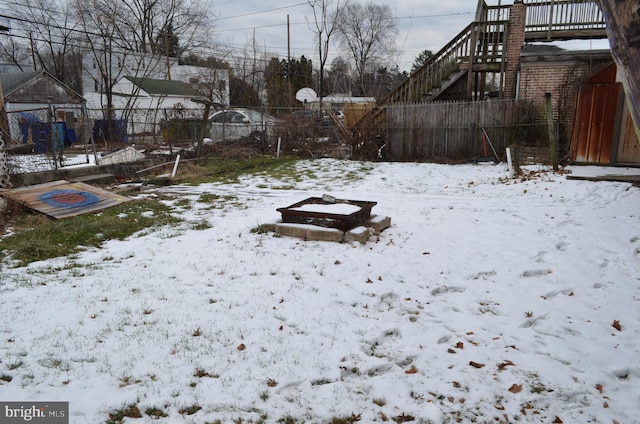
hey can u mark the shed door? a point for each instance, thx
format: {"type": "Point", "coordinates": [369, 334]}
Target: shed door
{"type": "Point", "coordinates": [594, 126]}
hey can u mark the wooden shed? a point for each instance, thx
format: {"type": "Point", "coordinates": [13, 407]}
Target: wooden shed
{"type": "Point", "coordinates": [39, 94]}
{"type": "Point", "coordinates": [36, 89]}
{"type": "Point", "coordinates": [603, 131]}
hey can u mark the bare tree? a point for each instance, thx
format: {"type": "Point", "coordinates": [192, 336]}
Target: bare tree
{"type": "Point", "coordinates": [49, 30]}
{"type": "Point", "coordinates": [15, 53]}
{"type": "Point", "coordinates": [128, 38]}
{"type": "Point", "coordinates": [164, 26]}
{"type": "Point", "coordinates": [326, 14]}
{"type": "Point", "coordinates": [101, 38]}
{"type": "Point", "coordinates": [250, 65]}
{"type": "Point", "coordinates": [368, 32]}
{"type": "Point", "coordinates": [622, 18]}
{"type": "Point", "coordinates": [339, 76]}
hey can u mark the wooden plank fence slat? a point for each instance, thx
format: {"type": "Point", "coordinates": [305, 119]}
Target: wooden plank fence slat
{"type": "Point", "coordinates": [453, 130]}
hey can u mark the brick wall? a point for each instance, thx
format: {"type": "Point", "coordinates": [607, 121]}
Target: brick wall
{"type": "Point", "coordinates": [561, 75]}
{"type": "Point", "coordinates": [513, 46]}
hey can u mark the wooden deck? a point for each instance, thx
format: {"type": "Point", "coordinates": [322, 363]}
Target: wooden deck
{"type": "Point", "coordinates": [63, 199]}
{"type": "Point", "coordinates": [480, 46]}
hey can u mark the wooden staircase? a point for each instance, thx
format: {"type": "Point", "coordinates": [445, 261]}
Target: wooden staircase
{"type": "Point", "coordinates": [479, 50]}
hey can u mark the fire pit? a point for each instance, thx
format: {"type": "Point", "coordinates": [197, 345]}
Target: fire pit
{"type": "Point", "coordinates": [328, 212]}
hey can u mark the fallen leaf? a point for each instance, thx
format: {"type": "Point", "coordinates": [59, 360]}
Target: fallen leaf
{"type": "Point", "coordinates": [460, 345]}
{"type": "Point", "coordinates": [412, 370]}
{"type": "Point", "coordinates": [557, 420]}
{"type": "Point", "coordinates": [356, 417]}
{"type": "Point", "coordinates": [515, 388]}
{"type": "Point", "coordinates": [599, 387]}
{"type": "Point", "coordinates": [616, 325]}
{"type": "Point", "coordinates": [499, 407]}
{"type": "Point", "coordinates": [505, 364]}
{"type": "Point", "coordinates": [606, 405]}
{"type": "Point", "coordinates": [469, 333]}
{"type": "Point", "coordinates": [369, 281]}
{"type": "Point", "coordinates": [476, 364]}
{"type": "Point", "coordinates": [456, 384]}
{"type": "Point", "coordinates": [451, 350]}
{"type": "Point", "coordinates": [451, 399]}
{"type": "Point", "coordinates": [571, 294]}
{"type": "Point", "coordinates": [241, 346]}
{"type": "Point", "coordinates": [403, 418]}
{"type": "Point", "coordinates": [426, 253]}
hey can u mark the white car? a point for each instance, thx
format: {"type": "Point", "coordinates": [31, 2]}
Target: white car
{"type": "Point", "coordinates": [234, 124]}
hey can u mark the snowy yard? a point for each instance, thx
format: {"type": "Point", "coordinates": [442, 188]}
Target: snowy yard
{"type": "Point", "coordinates": [487, 300]}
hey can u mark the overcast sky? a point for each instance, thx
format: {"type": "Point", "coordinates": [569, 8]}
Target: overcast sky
{"type": "Point", "coordinates": [422, 24]}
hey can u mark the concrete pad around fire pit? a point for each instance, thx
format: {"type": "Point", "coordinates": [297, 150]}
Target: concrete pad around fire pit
{"type": "Point", "coordinates": [359, 234]}
{"type": "Point", "coordinates": [324, 234]}
{"type": "Point", "coordinates": [379, 223]}
{"type": "Point", "coordinates": [310, 232]}
{"type": "Point", "coordinates": [292, 230]}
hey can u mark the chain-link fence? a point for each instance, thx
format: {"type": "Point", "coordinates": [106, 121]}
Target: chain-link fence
{"type": "Point", "coordinates": [284, 130]}
{"type": "Point", "coordinates": [60, 136]}
{"type": "Point", "coordinates": [5, 182]}
{"type": "Point", "coordinates": [46, 138]}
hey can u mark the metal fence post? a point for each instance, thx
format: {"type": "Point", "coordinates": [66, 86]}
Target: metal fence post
{"type": "Point", "coordinates": [4, 171]}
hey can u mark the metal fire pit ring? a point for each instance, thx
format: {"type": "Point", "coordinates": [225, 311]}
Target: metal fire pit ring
{"type": "Point", "coordinates": [335, 213]}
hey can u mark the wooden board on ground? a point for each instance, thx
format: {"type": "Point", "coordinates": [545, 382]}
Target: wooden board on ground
{"type": "Point", "coordinates": [64, 199]}
{"type": "Point", "coordinates": [633, 179]}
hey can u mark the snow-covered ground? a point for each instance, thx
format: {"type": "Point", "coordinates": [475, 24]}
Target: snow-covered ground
{"type": "Point", "coordinates": [487, 300]}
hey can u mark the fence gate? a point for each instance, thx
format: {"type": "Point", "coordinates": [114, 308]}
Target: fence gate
{"type": "Point", "coordinates": [51, 138]}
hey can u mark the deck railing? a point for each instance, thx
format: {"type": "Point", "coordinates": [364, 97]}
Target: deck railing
{"type": "Point", "coordinates": [561, 18]}
{"type": "Point", "coordinates": [482, 42]}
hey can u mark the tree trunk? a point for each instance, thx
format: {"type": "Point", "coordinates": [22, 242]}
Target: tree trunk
{"type": "Point", "coordinates": [622, 18]}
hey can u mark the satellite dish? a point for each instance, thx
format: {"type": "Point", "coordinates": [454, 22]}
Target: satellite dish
{"type": "Point", "coordinates": [306, 94]}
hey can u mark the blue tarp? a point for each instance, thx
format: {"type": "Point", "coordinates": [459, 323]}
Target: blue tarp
{"type": "Point", "coordinates": [62, 136]}
{"type": "Point", "coordinates": [102, 129]}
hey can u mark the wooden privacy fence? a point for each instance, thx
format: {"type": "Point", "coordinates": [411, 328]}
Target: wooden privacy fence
{"type": "Point", "coordinates": [454, 130]}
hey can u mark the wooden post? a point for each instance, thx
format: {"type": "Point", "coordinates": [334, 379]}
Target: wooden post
{"type": "Point", "coordinates": [553, 140]}
{"type": "Point", "coordinates": [205, 118]}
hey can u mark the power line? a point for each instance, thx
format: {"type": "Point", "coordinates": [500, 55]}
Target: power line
{"type": "Point", "coordinates": [235, 48]}
{"type": "Point", "coordinates": [263, 11]}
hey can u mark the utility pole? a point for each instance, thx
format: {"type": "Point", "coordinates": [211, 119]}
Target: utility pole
{"type": "Point", "coordinates": [289, 62]}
